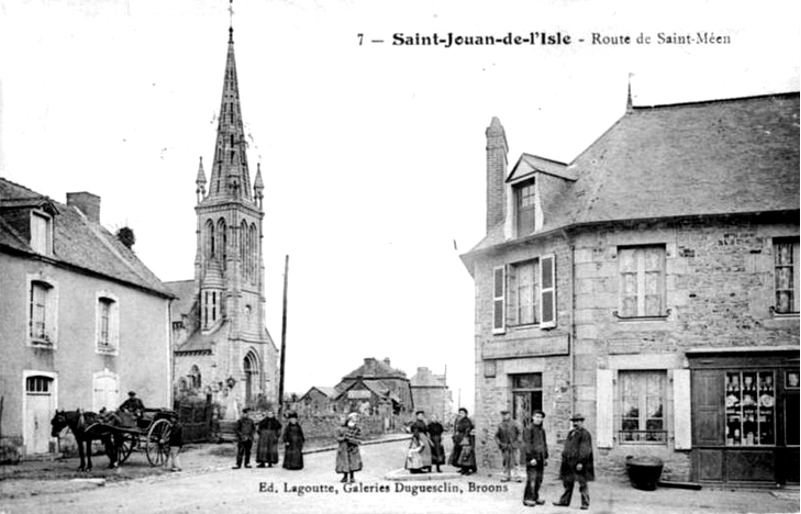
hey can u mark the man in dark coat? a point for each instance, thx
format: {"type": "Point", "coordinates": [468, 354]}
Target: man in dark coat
{"type": "Point", "coordinates": [133, 405]}
{"type": "Point", "coordinates": [535, 453]}
{"type": "Point", "coordinates": [577, 463]}
{"type": "Point", "coordinates": [507, 437]}
{"type": "Point", "coordinates": [245, 428]}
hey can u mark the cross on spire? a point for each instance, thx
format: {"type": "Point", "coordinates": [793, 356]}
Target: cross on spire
{"type": "Point", "coordinates": [231, 21]}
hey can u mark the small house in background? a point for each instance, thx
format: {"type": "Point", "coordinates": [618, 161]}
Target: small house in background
{"type": "Point", "coordinates": [431, 394]}
{"type": "Point", "coordinates": [373, 384]}
{"type": "Point", "coordinates": [316, 401]}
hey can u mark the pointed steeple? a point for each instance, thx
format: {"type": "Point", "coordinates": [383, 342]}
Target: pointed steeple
{"type": "Point", "coordinates": [258, 186]}
{"type": "Point", "coordinates": [230, 178]}
{"type": "Point", "coordinates": [629, 102]}
{"type": "Point", "coordinates": [200, 181]}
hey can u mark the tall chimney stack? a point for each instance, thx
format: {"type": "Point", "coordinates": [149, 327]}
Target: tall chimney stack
{"type": "Point", "coordinates": [497, 151]}
{"type": "Point", "coordinates": [88, 203]}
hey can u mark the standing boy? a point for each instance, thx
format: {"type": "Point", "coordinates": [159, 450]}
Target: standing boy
{"type": "Point", "coordinates": [535, 451]}
{"type": "Point", "coordinates": [245, 428]}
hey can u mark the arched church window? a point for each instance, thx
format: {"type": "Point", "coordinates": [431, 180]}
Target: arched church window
{"type": "Point", "coordinates": [251, 367]}
{"type": "Point", "coordinates": [243, 254]}
{"type": "Point", "coordinates": [210, 247]}
{"type": "Point", "coordinates": [253, 238]}
{"type": "Point", "coordinates": [194, 377]}
{"type": "Point", "coordinates": [223, 240]}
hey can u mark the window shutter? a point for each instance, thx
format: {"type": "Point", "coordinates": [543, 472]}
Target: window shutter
{"type": "Point", "coordinates": [498, 299]}
{"type": "Point", "coordinates": [682, 426]}
{"type": "Point", "coordinates": [604, 406]}
{"type": "Point", "coordinates": [114, 325]}
{"type": "Point", "coordinates": [547, 291]}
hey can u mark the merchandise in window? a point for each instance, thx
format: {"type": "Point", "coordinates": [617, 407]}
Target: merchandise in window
{"type": "Point", "coordinates": [526, 396]}
{"type": "Point", "coordinates": [750, 408]}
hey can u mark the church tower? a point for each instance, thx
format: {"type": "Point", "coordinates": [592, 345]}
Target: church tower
{"type": "Point", "coordinates": [228, 341]}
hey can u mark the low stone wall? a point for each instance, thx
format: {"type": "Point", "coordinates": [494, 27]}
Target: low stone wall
{"type": "Point", "coordinates": [323, 428]}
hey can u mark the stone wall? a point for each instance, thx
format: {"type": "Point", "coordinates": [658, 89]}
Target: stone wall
{"type": "Point", "coordinates": [719, 290]}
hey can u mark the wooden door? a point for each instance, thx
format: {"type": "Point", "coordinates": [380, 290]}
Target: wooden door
{"type": "Point", "coordinates": [708, 402]}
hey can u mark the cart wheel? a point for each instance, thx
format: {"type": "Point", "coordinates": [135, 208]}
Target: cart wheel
{"type": "Point", "coordinates": [158, 448]}
{"type": "Point", "coordinates": [126, 447]}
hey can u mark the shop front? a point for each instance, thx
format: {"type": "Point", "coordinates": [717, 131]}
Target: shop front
{"type": "Point", "coordinates": [745, 421]}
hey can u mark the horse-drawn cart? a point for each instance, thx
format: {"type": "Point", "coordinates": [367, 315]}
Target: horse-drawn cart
{"type": "Point", "coordinates": [121, 434]}
{"type": "Point", "coordinates": [151, 432]}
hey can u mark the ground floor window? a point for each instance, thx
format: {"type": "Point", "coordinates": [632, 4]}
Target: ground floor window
{"type": "Point", "coordinates": [642, 397]}
{"type": "Point", "coordinates": [526, 395]}
{"type": "Point", "coordinates": [750, 408]}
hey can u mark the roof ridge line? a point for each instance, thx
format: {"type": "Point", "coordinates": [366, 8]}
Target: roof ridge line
{"type": "Point", "coordinates": [111, 247]}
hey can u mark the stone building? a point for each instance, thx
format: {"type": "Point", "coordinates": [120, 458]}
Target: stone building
{"type": "Point", "coordinates": [82, 319]}
{"type": "Point", "coordinates": [222, 346]}
{"type": "Point", "coordinates": [317, 400]}
{"type": "Point", "coordinates": [650, 284]}
{"type": "Point", "coordinates": [375, 383]}
{"type": "Point", "coordinates": [431, 394]}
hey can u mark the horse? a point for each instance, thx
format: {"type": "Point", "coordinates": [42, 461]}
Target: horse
{"type": "Point", "coordinates": [85, 426]}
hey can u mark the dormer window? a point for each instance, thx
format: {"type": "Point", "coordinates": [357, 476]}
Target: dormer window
{"type": "Point", "coordinates": [41, 233]}
{"type": "Point", "coordinates": [525, 207]}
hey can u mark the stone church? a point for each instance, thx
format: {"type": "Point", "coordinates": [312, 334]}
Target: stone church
{"type": "Point", "coordinates": [222, 347]}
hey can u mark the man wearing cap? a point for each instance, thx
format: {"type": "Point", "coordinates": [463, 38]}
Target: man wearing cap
{"type": "Point", "coordinates": [577, 463]}
{"type": "Point", "coordinates": [535, 451]}
{"type": "Point", "coordinates": [133, 404]}
{"type": "Point", "coordinates": [507, 437]}
{"type": "Point", "coordinates": [245, 428]}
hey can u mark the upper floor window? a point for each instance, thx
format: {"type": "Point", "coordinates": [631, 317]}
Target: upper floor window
{"type": "Point", "coordinates": [642, 281]}
{"type": "Point", "coordinates": [42, 312]}
{"type": "Point", "coordinates": [525, 207]}
{"type": "Point", "coordinates": [785, 253]}
{"type": "Point", "coordinates": [524, 288]}
{"type": "Point", "coordinates": [41, 230]}
{"type": "Point", "coordinates": [642, 399]}
{"type": "Point", "coordinates": [107, 324]}
{"type": "Point", "coordinates": [524, 293]}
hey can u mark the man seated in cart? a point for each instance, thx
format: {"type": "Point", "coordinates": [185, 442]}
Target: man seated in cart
{"type": "Point", "coordinates": [132, 405]}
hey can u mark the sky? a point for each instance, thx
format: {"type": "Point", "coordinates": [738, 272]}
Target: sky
{"type": "Point", "coordinates": [373, 154]}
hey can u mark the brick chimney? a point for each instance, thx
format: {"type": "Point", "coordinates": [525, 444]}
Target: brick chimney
{"type": "Point", "coordinates": [370, 366]}
{"type": "Point", "coordinates": [88, 203]}
{"type": "Point", "coordinates": [497, 151]}
{"type": "Point", "coordinates": [386, 361]}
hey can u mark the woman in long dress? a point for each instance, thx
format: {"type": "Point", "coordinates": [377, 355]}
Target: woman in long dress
{"type": "Point", "coordinates": [418, 456]}
{"type": "Point", "coordinates": [349, 459]}
{"type": "Point", "coordinates": [463, 455]}
{"type": "Point", "coordinates": [269, 431]}
{"type": "Point", "coordinates": [435, 430]}
{"type": "Point", "coordinates": [293, 443]}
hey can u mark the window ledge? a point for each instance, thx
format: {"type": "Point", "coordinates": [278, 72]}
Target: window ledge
{"type": "Point", "coordinates": [109, 350]}
{"type": "Point", "coordinates": [46, 344]}
{"type": "Point", "coordinates": [781, 315]}
{"type": "Point", "coordinates": [663, 317]}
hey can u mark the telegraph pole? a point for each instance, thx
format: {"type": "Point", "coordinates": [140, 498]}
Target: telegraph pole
{"type": "Point", "coordinates": [283, 343]}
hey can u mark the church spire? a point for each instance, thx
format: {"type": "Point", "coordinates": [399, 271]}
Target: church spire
{"type": "Point", "coordinates": [230, 178]}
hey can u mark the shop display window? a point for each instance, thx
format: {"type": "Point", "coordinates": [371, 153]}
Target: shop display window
{"type": "Point", "coordinates": [750, 408]}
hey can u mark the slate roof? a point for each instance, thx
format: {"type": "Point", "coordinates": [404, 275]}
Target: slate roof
{"type": "Point", "coordinates": [375, 369]}
{"type": "Point", "coordinates": [184, 290]}
{"type": "Point", "coordinates": [77, 241]}
{"type": "Point", "coordinates": [731, 156]}
{"type": "Point", "coordinates": [425, 378]}
{"type": "Point", "coordinates": [375, 386]}
{"type": "Point", "coordinates": [202, 343]}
